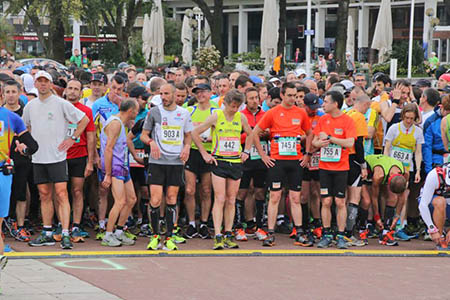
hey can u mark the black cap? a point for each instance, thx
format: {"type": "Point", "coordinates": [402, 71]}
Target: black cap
{"type": "Point", "coordinates": [446, 89]}
{"type": "Point", "coordinates": [139, 91]}
{"type": "Point", "coordinates": [201, 86]}
{"type": "Point", "coordinates": [312, 101]}
{"type": "Point", "coordinates": [5, 77]}
{"type": "Point", "coordinates": [422, 83]}
{"type": "Point", "coordinates": [100, 76]}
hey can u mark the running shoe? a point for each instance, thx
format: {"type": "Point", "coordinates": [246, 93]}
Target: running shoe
{"type": "Point", "coordinates": [310, 237]}
{"type": "Point", "coordinates": [412, 230]}
{"type": "Point", "coordinates": [130, 235]}
{"type": "Point", "coordinates": [124, 239]}
{"type": "Point", "coordinates": [76, 236]}
{"type": "Point", "coordinates": [302, 240]}
{"type": "Point", "coordinates": [218, 242]}
{"type": "Point", "coordinates": [83, 232]}
{"type": "Point", "coordinates": [203, 232]}
{"type": "Point", "coordinates": [3, 261]}
{"type": "Point", "coordinates": [169, 245]}
{"type": "Point", "coordinates": [388, 239]}
{"type": "Point", "coordinates": [154, 243]}
{"type": "Point", "coordinates": [318, 232]}
{"type": "Point", "coordinates": [250, 231]}
{"type": "Point", "coordinates": [401, 235]}
{"type": "Point", "coordinates": [66, 244]}
{"type": "Point", "coordinates": [373, 232]}
{"type": "Point", "coordinates": [162, 227]}
{"type": "Point", "coordinates": [57, 233]}
{"type": "Point", "coordinates": [22, 235]}
{"type": "Point", "coordinates": [191, 232]}
{"type": "Point", "coordinates": [177, 236]}
{"type": "Point", "coordinates": [442, 245]}
{"type": "Point", "coordinates": [100, 234]}
{"type": "Point", "coordinates": [260, 234]}
{"type": "Point", "coordinates": [353, 241]}
{"type": "Point", "coordinates": [284, 228]}
{"type": "Point", "coordinates": [29, 226]}
{"type": "Point", "coordinates": [145, 230]}
{"type": "Point", "coordinates": [325, 241]}
{"type": "Point", "coordinates": [269, 241]}
{"type": "Point", "coordinates": [111, 241]}
{"type": "Point", "coordinates": [229, 243]}
{"type": "Point", "coordinates": [363, 235]}
{"type": "Point", "coordinates": [293, 233]}
{"type": "Point", "coordinates": [341, 242]}
{"type": "Point", "coordinates": [240, 235]}
{"type": "Point", "coordinates": [42, 240]}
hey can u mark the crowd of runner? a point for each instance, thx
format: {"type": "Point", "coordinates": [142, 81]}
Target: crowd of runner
{"type": "Point", "coordinates": [176, 155]}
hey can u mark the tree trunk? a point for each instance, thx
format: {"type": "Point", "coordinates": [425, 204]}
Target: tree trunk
{"type": "Point", "coordinates": [215, 21]}
{"type": "Point", "coordinates": [341, 36]}
{"type": "Point", "coordinates": [56, 32]}
{"type": "Point", "coordinates": [40, 33]}
{"type": "Point", "coordinates": [282, 33]}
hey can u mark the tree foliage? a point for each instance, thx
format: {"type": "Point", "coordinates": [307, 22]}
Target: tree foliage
{"type": "Point", "coordinates": [6, 32]}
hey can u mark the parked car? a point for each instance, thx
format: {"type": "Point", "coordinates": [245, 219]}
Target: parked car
{"type": "Point", "coordinates": [43, 62]}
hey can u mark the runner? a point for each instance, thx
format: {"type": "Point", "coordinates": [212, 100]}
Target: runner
{"type": "Point", "coordinates": [197, 168]}
{"type": "Point", "coordinates": [116, 172]}
{"type": "Point", "coordinates": [383, 170]}
{"type": "Point", "coordinates": [49, 117]}
{"type": "Point", "coordinates": [227, 157]}
{"type": "Point", "coordinates": [98, 86]}
{"type": "Point", "coordinates": [285, 123]}
{"type": "Point", "coordinates": [170, 127]}
{"type": "Point", "coordinates": [433, 204]}
{"type": "Point", "coordinates": [80, 159]}
{"type": "Point", "coordinates": [334, 134]}
{"type": "Point", "coordinates": [358, 167]}
{"type": "Point", "coordinates": [254, 170]}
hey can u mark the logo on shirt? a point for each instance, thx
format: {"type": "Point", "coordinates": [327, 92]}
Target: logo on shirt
{"type": "Point", "coordinates": [282, 115]}
{"type": "Point", "coordinates": [338, 131]}
{"type": "Point", "coordinates": [50, 115]}
{"type": "Point", "coordinates": [295, 122]}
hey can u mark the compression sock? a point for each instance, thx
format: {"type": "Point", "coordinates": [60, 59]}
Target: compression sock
{"type": "Point", "coordinates": [352, 213]}
{"type": "Point", "coordinates": [317, 223]}
{"type": "Point", "coordinates": [363, 214]}
{"type": "Point", "coordinates": [305, 217]}
{"type": "Point", "coordinates": [239, 215]}
{"type": "Point", "coordinates": [259, 213]}
{"type": "Point", "coordinates": [171, 212]}
{"type": "Point", "coordinates": [154, 219]}
{"type": "Point", "coordinates": [389, 214]}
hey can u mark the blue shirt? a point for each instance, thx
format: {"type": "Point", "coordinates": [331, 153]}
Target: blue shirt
{"type": "Point", "coordinates": [10, 124]}
{"type": "Point", "coordinates": [138, 144]}
{"type": "Point", "coordinates": [104, 108]}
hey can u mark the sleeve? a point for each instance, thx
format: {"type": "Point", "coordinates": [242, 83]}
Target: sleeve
{"type": "Point", "coordinates": [351, 129]}
{"type": "Point", "coordinates": [266, 120]}
{"type": "Point", "coordinates": [91, 126]}
{"type": "Point", "coordinates": [149, 121]}
{"type": "Point", "coordinates": [318, 127]}
{"type": "Point", "coordinates": [71, 113]}
{"type": "Point", "coordinates": [26, 115]}
{"type": "Point", "coordinates": [391, 133]}
{"type": "Point", "coordinates": [17, 125]}
{"type": "Point", "coordinates": [359, 149]}
{"type": "Point", "coordinates": [427, 151]}
{"type": "Point", "coordinates": [419, 135]}
{"type": "Point", "coordinates": [306, 122]}
{"type": "Point", "coordinates": [137, 128]}
{"type": "Point", "coordinates": [188, 127]}
{"type": "Point", "coordinates": [430, 186]}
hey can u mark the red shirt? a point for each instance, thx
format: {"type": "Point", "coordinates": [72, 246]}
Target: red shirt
{"type": "Point", "coordinates": [252, 119]}
{"type": "Point", "coordinates": [285, 125]}
{"type": "Point", "coordinates": [79, 149]}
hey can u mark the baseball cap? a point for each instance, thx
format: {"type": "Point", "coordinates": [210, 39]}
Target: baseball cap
{"type": "Point", "coordinates": [99, 76]}
{"type": "Point", "coordinates": [422, 83]}
{"type": "Point", "coordinates": [274, 79]}
{"type": "Point", "coordinates": [300, 72]}
{"type": "Point", "coordinates": [5, 77]}
{"type": "Point", "coordinates": [255, 79]}
{"type": "Point", "coordinates": [43, 74]}
{"type": "Point", "coordinates": [348, 85]}
{"type": "Point", "coordinates": [201, 86]}
{"type": "Point", "coordinates": [338, 87]}
{"type": "Point", "coordinates": [446, 89]}
{"type": "Point", "coordinates": [312, 101]}
{"type": "Point", "coordinates": [445, 76]}
{"type": "Point", "coordinates": [139, 91]}
{"type": "Point", "coordinates": [171, 70]}
{"type": "Point", "coordinates": [123, 65]}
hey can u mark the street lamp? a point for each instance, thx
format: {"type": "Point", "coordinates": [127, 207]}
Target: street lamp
{"type": "Point", "coordinates": [198, 13]}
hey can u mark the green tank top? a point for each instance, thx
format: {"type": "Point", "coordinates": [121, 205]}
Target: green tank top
{"type": "Point", "coordinates": [447, 128]}
{"type": "Point", "coordinates": [198, 117]}
{"type": "Point", "coordinates": [226, 138]}
{"type": "Point", "coordinates": [385, 162]}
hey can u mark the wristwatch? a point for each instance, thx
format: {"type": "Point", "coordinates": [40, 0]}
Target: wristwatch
{"type": "Point", "coordinates": [246, 152]}
{"type": "Point", "coordinates": [74, 138]}
{"type": "Point", "coordinates": [329, 137]}
{"type": "Point", "coordinates": [432, 229]}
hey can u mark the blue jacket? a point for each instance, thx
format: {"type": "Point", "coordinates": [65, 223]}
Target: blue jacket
{"type": "Point", "coordinates": [433, 148]}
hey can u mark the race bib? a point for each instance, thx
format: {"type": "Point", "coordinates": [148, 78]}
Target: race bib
{"type": "Point", "coordinates": [229, 146]}
{"type": "Point", "coordinates": [171, 135]}
{"type": "Point", "coordinates": [287, 146]}
{"type": "Point", "coordinates": [314, 165]}
{"type": "Point", "coordinates": [403, 155]}
{"type": "Point", "coordinates": [133, 163]}
{"type": "Point", "coordinates": [331, 153]}
{"type": "Point", "coordinates": [254, 155]}
{"type": "Point", "coordinates": [71, 128]}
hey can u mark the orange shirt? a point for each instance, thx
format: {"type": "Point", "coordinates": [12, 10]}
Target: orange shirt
{"type": "Point", "coordinates": [277, 64]}
{"type": "Point", "coordinates": [341, 127]}
{"type": "Point", "coordinates": [285, 127]}
{"type": "Point", "coordinates": [360, 124]}
{"type": "Point", "coordinates": [379, 135]}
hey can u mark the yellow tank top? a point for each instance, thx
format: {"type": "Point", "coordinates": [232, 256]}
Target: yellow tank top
{"type": "Point", "coordinates": [403, 146]}
{"type": "Point", "coordinates": [226, 143]}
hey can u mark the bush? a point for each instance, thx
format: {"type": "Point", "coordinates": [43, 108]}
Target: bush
{"type": "Point", "coordinates": [208, 58]}
{"type": "Point", "coordinates": [137, 57]}
{"type": "Point", "coordinates": [255, 65]}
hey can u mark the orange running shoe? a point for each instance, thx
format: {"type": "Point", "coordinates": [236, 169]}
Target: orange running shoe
{"type": "Point", "coordinates": [442, 245]}
{"type": "Point", "coordinates": [364, 236]}
{"type": "Point", "coordinates": [260, 234]}
{"type": "Point", "coordinates": [293, 233]}
{"type": "Point", "coordinates": [250, 231]}
{"type": "Point", "coordinates": [318, 232]}
{"type": "Point", "coordinates": [240, 235]}
{"type": "Point", "coordinates": [388, 239]}
{"type": "Point", "coordinates": [22, 235]}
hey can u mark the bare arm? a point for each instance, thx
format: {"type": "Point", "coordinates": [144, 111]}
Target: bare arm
{"type": "Point", "coordinates": [90, 136]}
{"type": "Point", "coordinates": [418, 158]}
{"type": "Point", "coordinates": [347, 143]}
{"type": "Point", "coordinates": [387, 112]}
{"type": "Point", "coordinates": [387, 148]}
{"type": "Point", "coordinates": [444, 133]}
{"type": "Point", "coordinates": [371, 132]}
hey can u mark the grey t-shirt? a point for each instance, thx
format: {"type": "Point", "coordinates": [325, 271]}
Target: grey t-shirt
{"type": "Point", "coordinates": [49, 121]}
{"type": "Point", "coordinates": [167, 130]}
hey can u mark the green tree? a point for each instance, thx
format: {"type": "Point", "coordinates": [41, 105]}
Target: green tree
{"type": "Point", "coordinates": [215, 21]}
{"type": "Point", "coordinates": [6, 32]}
{"type": "Point", "coordinates": [172, 32]}
{"type": "Point", "coordinates": [57, 12]}
{"type": "Point", "coordinates": [341, 36]}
